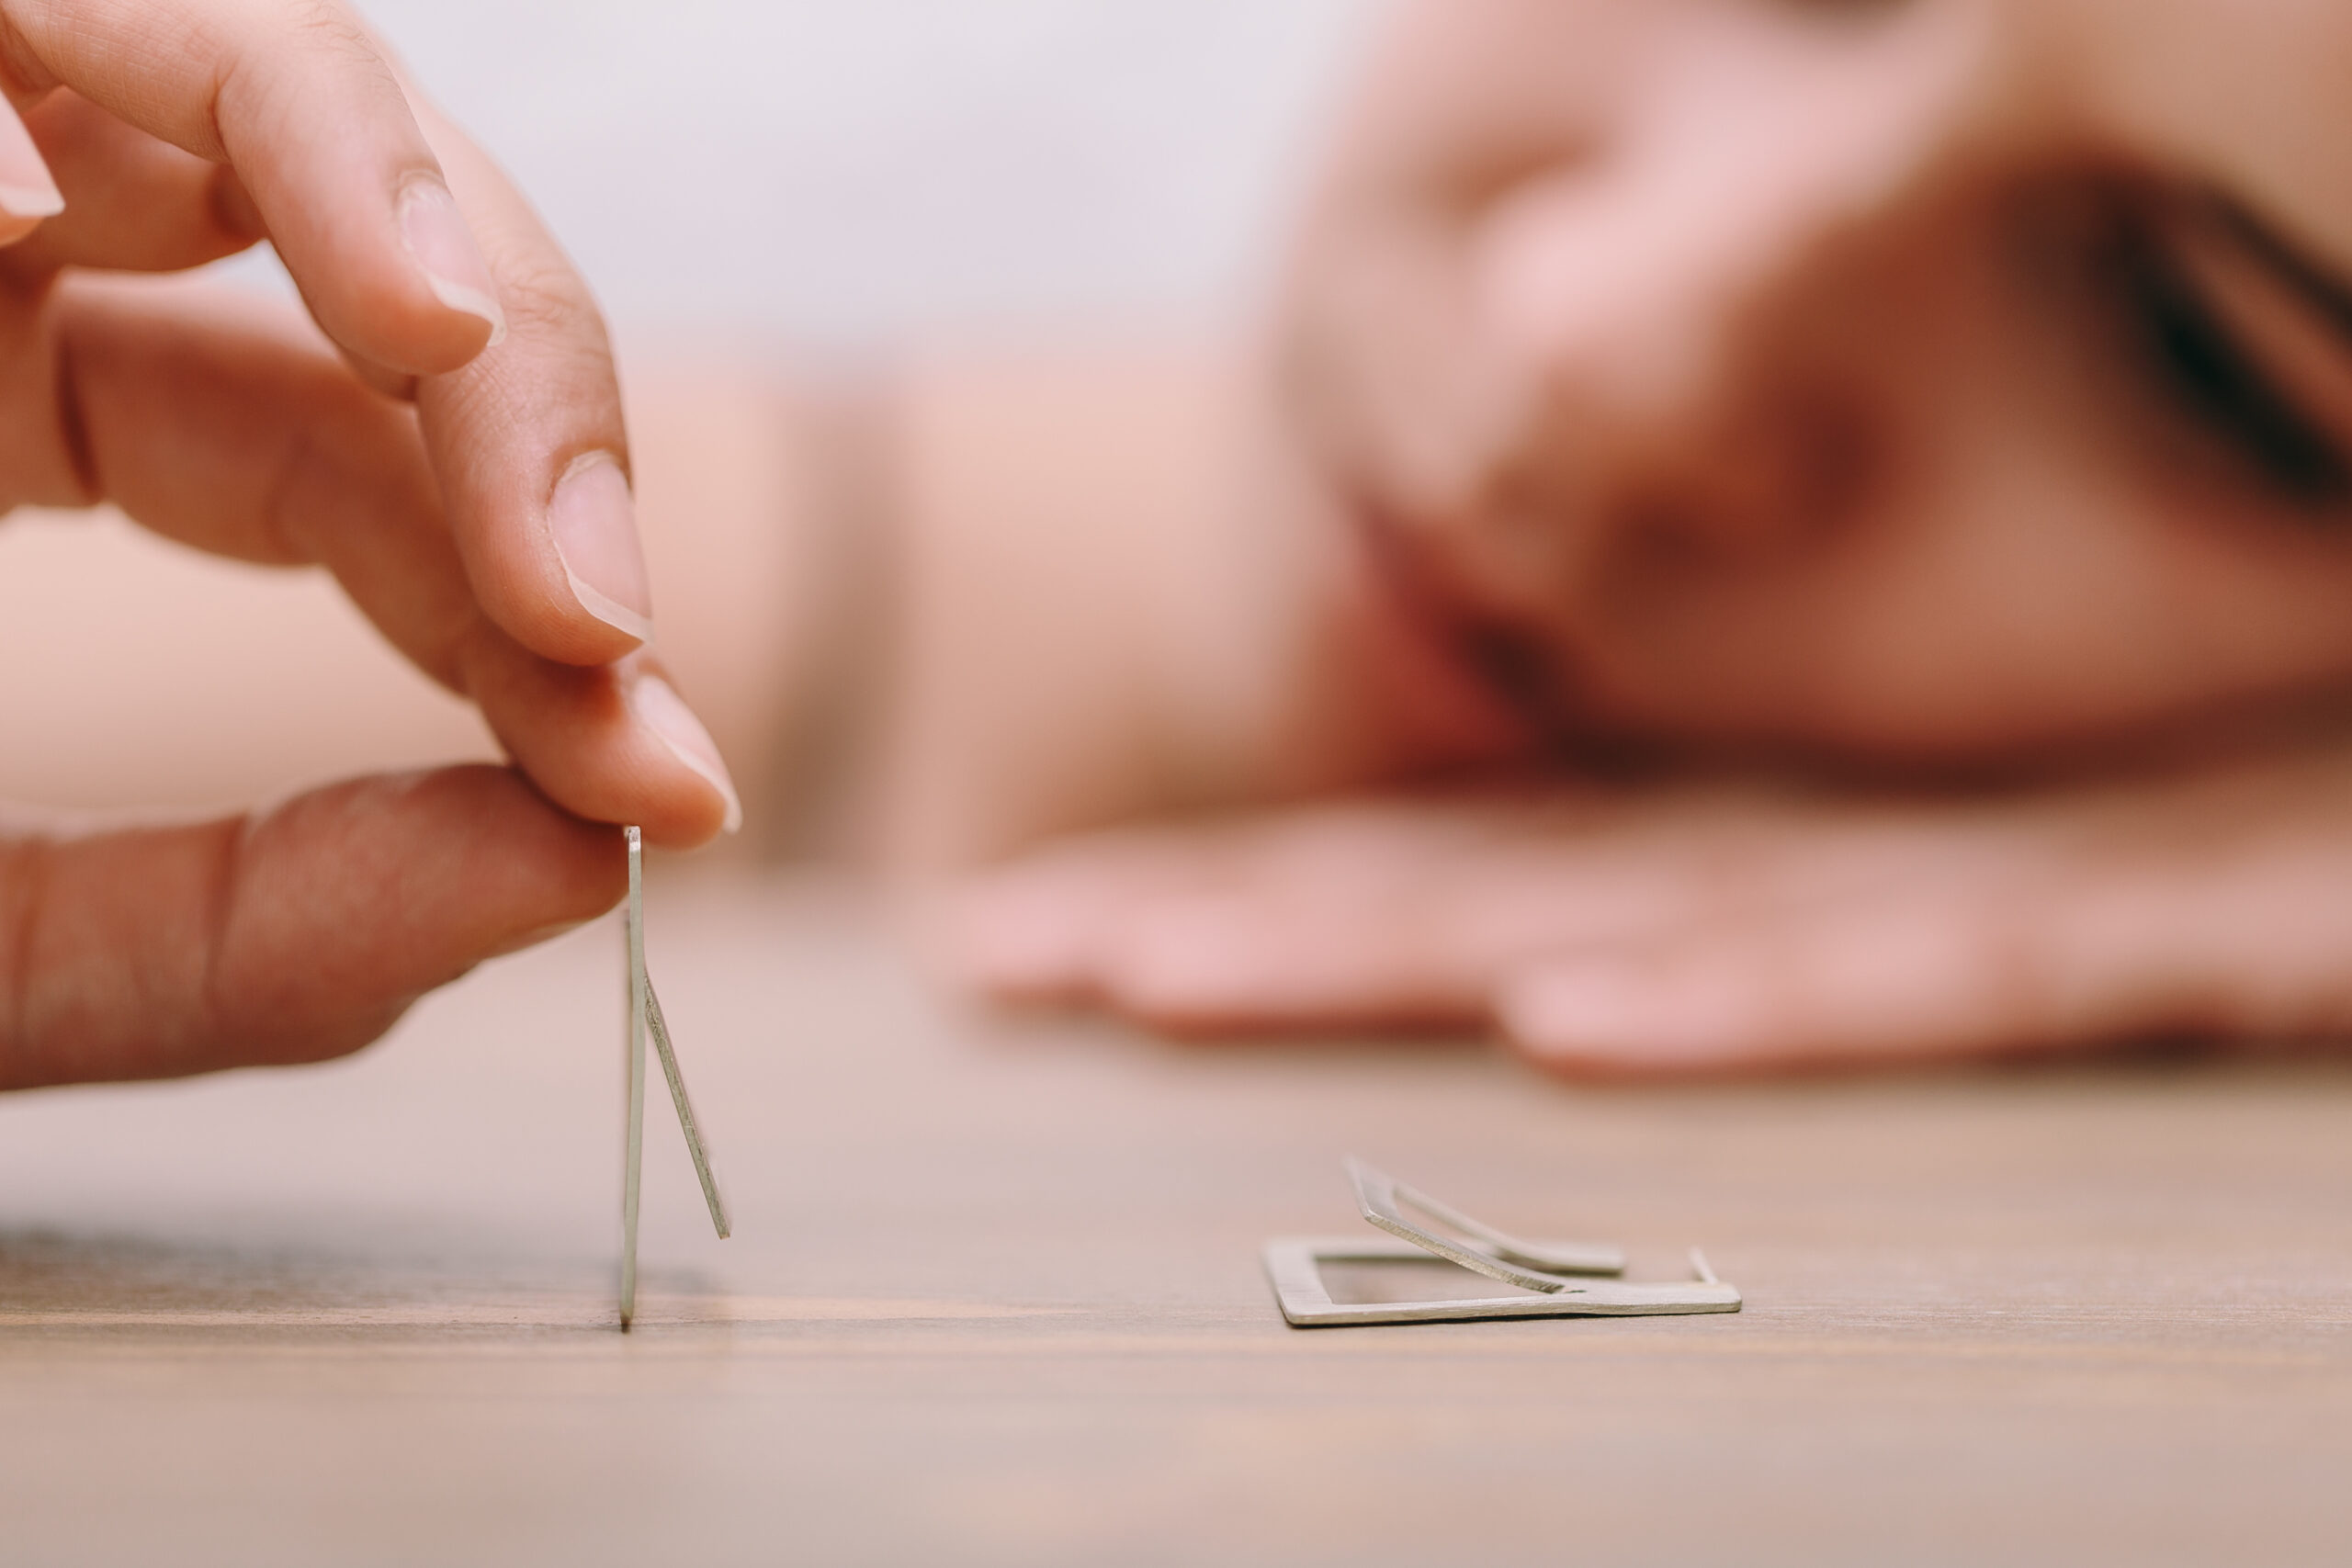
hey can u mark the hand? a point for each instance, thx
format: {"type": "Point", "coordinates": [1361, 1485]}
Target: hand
{"type": "Point", "coordinates": [451, 449]}
{"type": "Point", "coordinates": [1718, 931]}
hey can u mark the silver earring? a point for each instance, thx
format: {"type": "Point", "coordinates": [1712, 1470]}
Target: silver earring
{"type": "Point", "coordinates": [1548, 1278]}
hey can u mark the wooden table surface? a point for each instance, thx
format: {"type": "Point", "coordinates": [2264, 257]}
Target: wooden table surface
{"type": "Point", "coordinates": [995, 1297]}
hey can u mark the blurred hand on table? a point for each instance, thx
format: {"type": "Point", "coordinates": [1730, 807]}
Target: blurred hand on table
{"type": "Point", "coordinates": [1714, 930]}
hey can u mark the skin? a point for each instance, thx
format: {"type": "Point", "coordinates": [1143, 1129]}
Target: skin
{"type": "Point", "coordinates": [1720, 387]}
{"type": "Point", "coordinates": [1778, 396]}
{"type": "Point", "coordinates": [407, 445]}
{"type": "Point", "coordinates": [1711, 576]}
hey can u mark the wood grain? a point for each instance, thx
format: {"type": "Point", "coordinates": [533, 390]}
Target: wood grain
{"type": "Point", "coordinates": [994, 1297]}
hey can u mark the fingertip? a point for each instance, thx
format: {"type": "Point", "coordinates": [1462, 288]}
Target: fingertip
{"type": "Point", "coordinates": [559, 565]}
{"type": "Point", "coordinates": [585, 865]}
{"type": "Point", "coordinates": [656, 706]}
{"type": "Point", "coordinates": [612, 744]}
{"type": "Point", "coordinates": [28, 192]}
{"type": "Point", "coordinates": [423, 304]}
{"type": "Point", "coordinates": [531, 864]}
{"type": "Point", "coordinates": [352, 901]}
{"type": "Point", "coordinates": [441, 243]}
{"type": "Point", "coordinates": [592, 522]}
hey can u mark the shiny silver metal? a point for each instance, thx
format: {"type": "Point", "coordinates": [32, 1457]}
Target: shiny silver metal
{"type": "Point", "coordinates": [1295, 1265]}
{"type": "Point", "coordinates": [633, 1052]}
{"type": "Point", "coordinates": [687, 1122]}
{"type": "Point", "coordinates": [1531, 1266]}
{"type": "Point", "coordinates": [1567, 1288]}
{"type": "Point", "coordinates": [644, 1018]}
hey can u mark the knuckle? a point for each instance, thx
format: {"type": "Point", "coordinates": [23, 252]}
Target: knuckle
{"type": "Point", "coordinates": [22, 74]}
{"type": "Point", "coordinates": [255, 45]}
{"type": "Point", "coordinates": [545, 293]}
{"type": "Point", "coordinates": [548, 303]}
{"type": "Point", "coordinates": [326, 26]}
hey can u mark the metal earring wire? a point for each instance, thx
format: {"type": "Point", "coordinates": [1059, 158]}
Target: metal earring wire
{"type": "Point", "coordinates": [645, 1017]}
{"type": "Point", "coordinates": [1567, 1288]}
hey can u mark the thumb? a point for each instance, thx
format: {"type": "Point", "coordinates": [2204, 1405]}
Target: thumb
{"type": "Point", "coordinates": [293, 936]}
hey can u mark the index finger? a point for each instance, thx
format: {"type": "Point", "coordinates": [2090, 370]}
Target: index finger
{"type": "Point", "coordinates": [295, 96]}
{"type": "Point", "coordinates": [346, 167]}
{"type": "Point", "coordinates": [529, 442]}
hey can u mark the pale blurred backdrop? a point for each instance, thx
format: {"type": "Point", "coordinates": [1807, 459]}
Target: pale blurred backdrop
{"type": "Point", "coordinates": [804, 179]}
{"type": "Point", "coordinates": [854, 171]}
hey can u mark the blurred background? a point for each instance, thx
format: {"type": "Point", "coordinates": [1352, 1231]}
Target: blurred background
{"type": "Point", "coordinates": [807, 181]}
{"type": "Point", "coordinates": [847, 174]}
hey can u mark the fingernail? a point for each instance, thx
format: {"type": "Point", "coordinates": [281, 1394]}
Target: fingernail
{"type": "Point", "coordinates": [593, 519]}
{"type": "Point", "coordinates": [27, 191]}
{"type": "Point", "coordinates": [436, 235]}
{"type": "Point", "coordinates": [661, 710]}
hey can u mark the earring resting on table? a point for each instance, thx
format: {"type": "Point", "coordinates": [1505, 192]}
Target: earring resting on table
{"type": "Point", "coordinates": [1551, 1279]}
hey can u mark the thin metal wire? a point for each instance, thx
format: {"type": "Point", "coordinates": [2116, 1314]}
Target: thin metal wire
{"type": "Point", "coordinates": [633, 1154]}
{"type": "Point", "coordinates": [687, 1123]}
